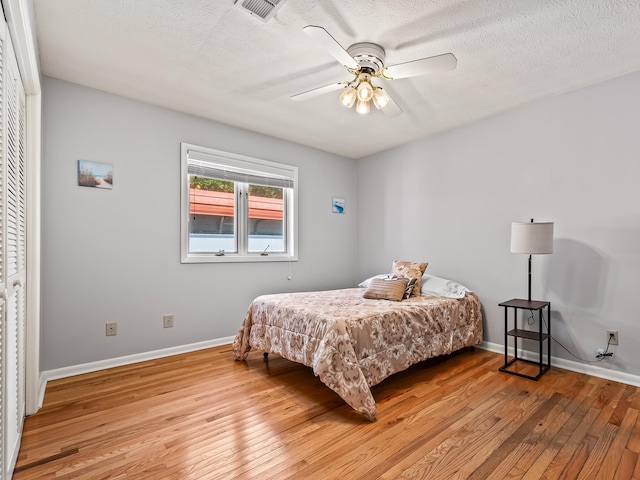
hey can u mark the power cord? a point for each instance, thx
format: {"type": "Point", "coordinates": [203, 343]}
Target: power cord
{"type": "Point", "coordinates": [599, 357]}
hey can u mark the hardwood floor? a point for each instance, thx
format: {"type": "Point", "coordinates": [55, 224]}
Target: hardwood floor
{"type": "Point", "coordinates": [202, 415]}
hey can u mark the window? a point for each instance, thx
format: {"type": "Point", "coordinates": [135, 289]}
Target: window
{"type": "Point", "coordinates": [236, 208]}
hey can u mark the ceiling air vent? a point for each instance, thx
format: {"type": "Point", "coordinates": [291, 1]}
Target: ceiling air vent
{"type": "Point", "coordinates": [264, 9]}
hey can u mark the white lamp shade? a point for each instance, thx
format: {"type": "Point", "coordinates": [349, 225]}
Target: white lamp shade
{"type": "Point", "coordinates": [380, 98]}
{"type": "Point", "coordinates": [363, 107]}
{"type": "Point", "coordinates": [364, 88]}
{"type": "Point", "coordinates": [348, 97]}
{"type": "Point", "coordinates": [532, 238]}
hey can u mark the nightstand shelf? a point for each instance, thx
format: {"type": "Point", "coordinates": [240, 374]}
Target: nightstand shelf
{"type": "Point", "coordinates": [540, 336]}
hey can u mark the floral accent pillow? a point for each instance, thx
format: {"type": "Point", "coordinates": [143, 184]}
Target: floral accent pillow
{"type": "Point", "coordinates": [410, 270]}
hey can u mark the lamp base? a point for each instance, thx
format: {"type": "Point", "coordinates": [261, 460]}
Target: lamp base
{"type": "Point", "coordinates": [529, 289]}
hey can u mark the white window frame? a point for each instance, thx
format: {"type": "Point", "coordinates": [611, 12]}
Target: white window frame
{"type": "Point", "coordinates": [249, 163]}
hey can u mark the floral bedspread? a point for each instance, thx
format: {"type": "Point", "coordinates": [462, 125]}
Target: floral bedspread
{"type": "Point", "coordinates": [353, 343]}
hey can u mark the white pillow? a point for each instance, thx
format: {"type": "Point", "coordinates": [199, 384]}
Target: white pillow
{"type": "Point", "coordinates": [441, 287]}
{"type": "Point", "coordinates": [367, 283]}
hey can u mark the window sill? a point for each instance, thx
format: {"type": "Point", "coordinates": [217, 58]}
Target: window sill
{"type": "Point", "coordinates": [232, 258]}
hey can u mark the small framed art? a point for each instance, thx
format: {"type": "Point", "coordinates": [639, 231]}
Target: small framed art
{"type": "Point", "coordinates": [337, 205]}
{"type": "Point", "coordinates": [95, 174]}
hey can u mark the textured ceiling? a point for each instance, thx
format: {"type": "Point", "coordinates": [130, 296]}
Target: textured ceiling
{"type": "Point", "coordinates": [214, 60]}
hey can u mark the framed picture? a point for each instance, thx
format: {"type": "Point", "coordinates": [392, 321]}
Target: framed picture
{"type": "Point", "coordinates": [337, 205]}
{"type": "Point", "coordinates": [95, 174]}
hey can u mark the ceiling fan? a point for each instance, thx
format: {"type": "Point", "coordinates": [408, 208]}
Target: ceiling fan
{"type": "Point", "coordinates": [365, 60]}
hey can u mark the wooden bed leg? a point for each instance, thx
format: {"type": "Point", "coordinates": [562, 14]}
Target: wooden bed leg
{"type": "Point", "coordinates": [266, 356]}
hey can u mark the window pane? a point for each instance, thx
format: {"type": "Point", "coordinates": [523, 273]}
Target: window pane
{"type": "Point", "coordinates": [266, 219]}
{"type": "Point", "coordinates": [212, 209]}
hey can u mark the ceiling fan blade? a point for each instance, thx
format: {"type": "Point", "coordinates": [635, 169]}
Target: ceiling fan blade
{"type": "Point", "coordinates": [439, 63]}
{"type": "Point", "coordinates": [324, 40]}
{"type": "Point", "coordinates": [318, 91]}
{"type": "Point", "coordinates": [391, 109]}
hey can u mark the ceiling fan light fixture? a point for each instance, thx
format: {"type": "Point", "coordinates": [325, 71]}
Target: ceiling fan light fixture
{"type": "Point", "coordinates": [348, 97]}
{"type": "Point", "coordinates": [365, 61]}
{"type": "Point", "coordinates": [363, 107]}
{"type": "Point", "coordinates": [380, 98]}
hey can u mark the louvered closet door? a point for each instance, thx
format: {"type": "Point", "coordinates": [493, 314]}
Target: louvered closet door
{"type": "Point", "coordinates": [13, 215]}
{"type": "Point", "coordinates": [2, 254]}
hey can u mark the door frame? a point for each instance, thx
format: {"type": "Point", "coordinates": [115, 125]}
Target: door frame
{"type": "Point", "coordinates": [18, 14]}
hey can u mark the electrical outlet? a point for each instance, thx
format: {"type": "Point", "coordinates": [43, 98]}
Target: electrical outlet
{"type": "Point", "coordinates": [112, 329]}
{"type": "Point", "coordinates": [167, 320]}
{"type": "Point", "coordinates": [612, 337]}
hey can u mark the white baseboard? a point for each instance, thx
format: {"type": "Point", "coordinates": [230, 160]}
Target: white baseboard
{"type": "Point", "coordinates": [593, 370]}
{"type": "Point", "coordinates": [65, 372]}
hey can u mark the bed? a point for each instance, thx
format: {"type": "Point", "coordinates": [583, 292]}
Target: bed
{"type": "Point", "coordinates": [353, 343]}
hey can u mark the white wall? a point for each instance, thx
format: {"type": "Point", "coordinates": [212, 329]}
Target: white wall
{"type": "Point", "coordinates": [114, 256]}
{"type": "Point", "coordinates": [572, 159]}
{"type": "Point", "coordinates": [449, 200]}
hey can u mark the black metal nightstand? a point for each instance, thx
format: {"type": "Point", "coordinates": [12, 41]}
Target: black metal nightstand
{"type": "Point", "coordinates": [540, 336]}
